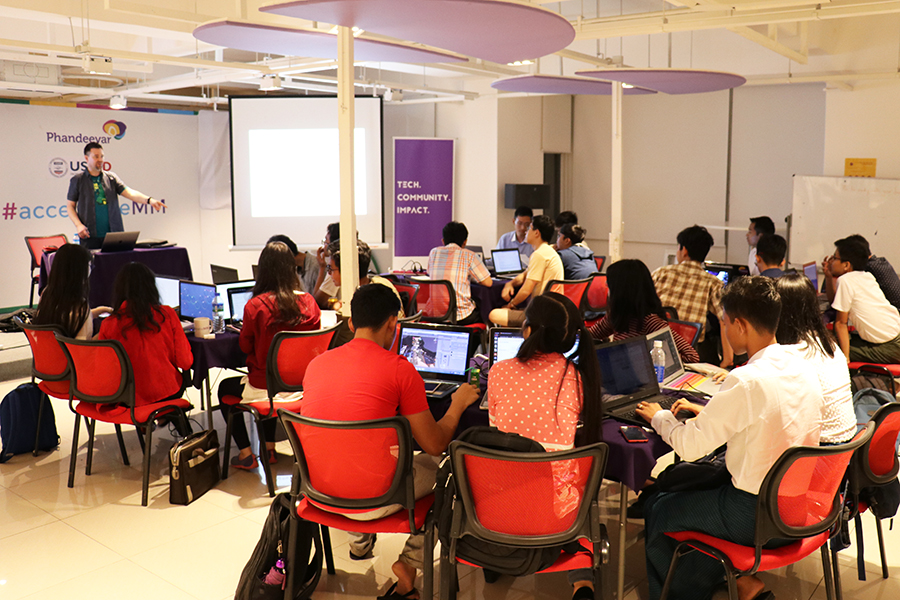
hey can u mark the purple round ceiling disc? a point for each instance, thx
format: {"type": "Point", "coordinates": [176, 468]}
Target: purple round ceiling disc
{"type": "Point", "coordinates": [558, 84]}
{"type": "Point", "coordinates": [670, 81]}
{"type": "Point", "coordinates": [501, 31]}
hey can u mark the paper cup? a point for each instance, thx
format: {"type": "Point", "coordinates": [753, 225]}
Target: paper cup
{"type": "Point", "coordinates": [201, 326]}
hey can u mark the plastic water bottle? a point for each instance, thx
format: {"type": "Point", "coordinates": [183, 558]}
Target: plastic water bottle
{"type": "Point", "coordinates": [658, 356]}
{"type": "Point", "coordinates": [218, 322]}
{"type": "Point", "coordinates": [275, 576]}
{"type": "Point", "coordinates": [76, 239]}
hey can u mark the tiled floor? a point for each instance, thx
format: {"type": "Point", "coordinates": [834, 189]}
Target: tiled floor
{"type": "Point", "coordinates": [95, 541]}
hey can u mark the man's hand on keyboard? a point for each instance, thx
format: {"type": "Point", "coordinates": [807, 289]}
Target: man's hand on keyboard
{"type": "Point", "coordinates": [646, 410]}
{"type": "Point", "coordinates": [682, 404]}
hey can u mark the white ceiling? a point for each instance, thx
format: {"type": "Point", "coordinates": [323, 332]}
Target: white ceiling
{"type": "Point", "coordinates": [156, 61]}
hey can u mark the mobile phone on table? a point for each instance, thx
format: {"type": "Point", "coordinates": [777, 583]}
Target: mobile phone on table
{"type": "Point", "coordinates": [632, 434]}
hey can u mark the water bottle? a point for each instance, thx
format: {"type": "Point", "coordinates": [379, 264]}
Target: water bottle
{"type": "Point", "coordinates": [76, 239]}
{"type": "Point", "coordinates": [658, 356]}
{"type": "Point", "coordinates": [275, 576]}
{"type": "Point", "coordinates": [218, 325]}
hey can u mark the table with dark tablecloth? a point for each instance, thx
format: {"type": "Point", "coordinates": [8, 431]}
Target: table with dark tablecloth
{"type": "Point", "coordinates": [222, 352]}
{"type": "Point", "coordinates": [171, 262]}
{"type": "Point", "coordinates": [488, 298]}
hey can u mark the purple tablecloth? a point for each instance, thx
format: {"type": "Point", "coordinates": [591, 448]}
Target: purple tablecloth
{"type": "Point", "coordinates": [631, 463]}
{"type": "Point", "coordinates": [172, 262]}
{"type": "Point", "coordinates": [488, 298]}
{"type": "Point", "coordinates": [222, 352]}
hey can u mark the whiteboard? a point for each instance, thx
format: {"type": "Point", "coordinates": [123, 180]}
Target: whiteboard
{"type": "Point", "coordinates": [830, 208]}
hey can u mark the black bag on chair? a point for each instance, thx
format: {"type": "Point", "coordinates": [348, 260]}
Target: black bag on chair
{"type": "Point", "coordinates": [193, 467]}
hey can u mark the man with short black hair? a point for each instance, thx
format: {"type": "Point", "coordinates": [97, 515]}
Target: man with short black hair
{"type": "Point", "coordinates": [759, 226]}
{"type": "Point", "coordinates": [364, 380]}
{"type": "Point", "coordinates": [517, 237]}
{"type": "Point", "coordinates": [454, 263]}
{"type": "Point", "coordinates": [578, 260]}
{"type": "Point", "coordinates": [365, 257]}
{"type": "Point", "coordinates": [883, 272]}
{"type": "Point", "coordinates": [545, 266]}
{"type": "Point", "coordinates": [93, 199]}
{"type": "Point", "coordinates": [307, 265]}
{"type": "Point", "coordinates": [770, 252]}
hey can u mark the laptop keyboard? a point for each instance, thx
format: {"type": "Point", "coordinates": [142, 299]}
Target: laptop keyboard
{"type": "Point", "coordinates": [665, 402]}
{"type": "Point", "coordinates": [438, 387]}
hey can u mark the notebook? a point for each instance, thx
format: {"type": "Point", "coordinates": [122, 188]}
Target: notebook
{"type": "Point", "coordinates": [507, 263]}
{"type": "Point", "coordinates": [196, 299]}
{"type": "Point", "coordinates": [440, 353]}
{"type": "Point", "coordinates": [222, 274]}
{"type": "Point", "coordinates": [119, 241]}
{"type": "Point", "coordinates": [168, 288]}
{"type": "Point", "coordinates": [505, 343]}
{"type": "Point", "coordinates": [676, 377]}
{"type": "Point", "coordinates": [238, 297]}
{"type": "Point", "coordinates": [222, 291]}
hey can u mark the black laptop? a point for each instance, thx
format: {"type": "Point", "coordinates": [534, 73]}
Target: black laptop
{"type": "Point", "coordinates": [222, 274]}
{"type": "Point", "coordinates": [440, 353]}
{"type": "Point", "coordinates": [119, 241]}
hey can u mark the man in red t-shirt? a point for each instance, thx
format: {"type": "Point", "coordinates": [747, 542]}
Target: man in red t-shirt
{"type": "Point", "coordinates": [375, 383]}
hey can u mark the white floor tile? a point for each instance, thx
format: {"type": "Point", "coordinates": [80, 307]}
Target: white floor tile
{"type": "Point", "coordinates": [18, 514]}
{"type": "Point", "coordinates": [123, 579]}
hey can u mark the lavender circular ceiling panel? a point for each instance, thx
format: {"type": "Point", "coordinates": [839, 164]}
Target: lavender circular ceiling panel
{"type": "Point", "coordinates": [558, 84]}
{"type": "Point", "coordinates": [670, 81]}
{"type": "Point", "coordinates": [501, 31]}
{"type": "Point", "coordinates": [258, 37]}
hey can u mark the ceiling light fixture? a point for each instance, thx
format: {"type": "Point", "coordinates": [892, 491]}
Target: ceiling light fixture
{"type": "Point", "coordinates": [118, 102]}
{"type": "Point", "coordinates": [270, 84]}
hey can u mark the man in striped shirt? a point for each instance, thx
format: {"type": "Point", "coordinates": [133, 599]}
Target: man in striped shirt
{"type": "Point", "coordinates": [459, 266]}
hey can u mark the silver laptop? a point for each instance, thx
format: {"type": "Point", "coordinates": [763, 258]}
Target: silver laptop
{"type": "Point", "coordinates": [238, 297]}
{"type": "Point", "coordinates": [222, 292]}
{"type": "Point", "coordinates": [507, 263]}
{"type": "Point", "coordinates": [677, 378]}
{"type": "Point", "coordinates": [440, 353]}
{"type": "Point", "coordinates": [168, 288]}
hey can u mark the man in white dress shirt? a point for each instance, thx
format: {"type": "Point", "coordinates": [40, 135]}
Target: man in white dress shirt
{"type": "Point", "coordinates": [759, 226]}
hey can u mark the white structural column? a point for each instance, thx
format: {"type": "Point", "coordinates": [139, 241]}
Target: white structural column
{"type": "Point", "coordinates": [615, 234]}
{"type": "Point", "coordinates": [346, 123]}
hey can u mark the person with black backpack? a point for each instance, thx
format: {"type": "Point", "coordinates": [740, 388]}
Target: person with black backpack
{"type": "Point", "coordinates": [541, 394]}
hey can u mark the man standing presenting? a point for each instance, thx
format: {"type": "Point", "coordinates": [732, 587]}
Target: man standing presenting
{"type": "Point", "coordinates": [460, 267]}
{"type": "Point", "coordinates": [516, 238]}
{"type": "Point", "coordinates": [93, 199]}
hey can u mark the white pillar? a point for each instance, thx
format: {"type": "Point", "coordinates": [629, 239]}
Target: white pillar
{"type": "Point", "coordinates": [616, 225]}
{"type": "Point", "coordinates": [346, 122]}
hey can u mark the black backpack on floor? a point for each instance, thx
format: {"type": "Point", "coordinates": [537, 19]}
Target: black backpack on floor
{"type": "Point", "coordinates": [273, 545]}
{"type": "Point", "coordinates": [19, 422]}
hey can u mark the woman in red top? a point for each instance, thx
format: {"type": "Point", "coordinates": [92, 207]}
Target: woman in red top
{"type": "Point", "coordinates": [151, 333]}
{"type": "Point", "coordinates": [634, 308]}
{"type": "Point", "coordinates": [277, 305]}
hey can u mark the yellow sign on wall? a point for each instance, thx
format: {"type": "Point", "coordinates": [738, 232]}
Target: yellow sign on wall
{"type": "Point", "coordinates": [859, 167]}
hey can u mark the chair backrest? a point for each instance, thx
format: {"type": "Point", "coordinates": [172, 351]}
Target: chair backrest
{"type": "Point", "coordinates": [689, 330]}
{"type": "Point", "coordinates": [437, 299]}
{"type": "Point", "coordinates": [408, 291]}
{"type": "Point", "coordinates": [573, 289]}
{"type": "Point", "coordinates": [526, 499]}
{"type": "Point", "coordinates": [876, 463]}
{"type": "Point", "coordinates": [290, 354]}
{"type": "Point", "coordinates": [352, 465]}
{"type": "Point", "coordinates": [37, 245]}
{"type": "Point", "coordinates": [597, 293]}
{"type": "Point", "coordinates": [800, 495]}
{"type": "Point", "coordinates": [411, 318]}
{"type": "Point", "coordinates": [48, 359]}
{"type": "Point", "coordinates": [671, 312]}
{"type": "Point", "coordinates": [100, 370]}
{"type": "Point", "coordinates": [599, 260]}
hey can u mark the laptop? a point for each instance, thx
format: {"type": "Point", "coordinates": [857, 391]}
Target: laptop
{"type": "Point", "coordinates": [222, 274]}
{"type": "Point", "coordinates": [723, 274]}
{"type": "Point", "coordinates": [810, 269]}
{"type": "Point", "coordinates": [478, 250]}
{"type": "Point", "coordinates": [119, 241]}
{"type": "Point", "coordinates": [440, 353]}
{"type": "Point", "coordinates": [196, 299]}
{"type": "Point", "coordinates": [238, 298]}
{"type": "Point", "coordinates": [628, 378]}
{"type": "Point", "coordinates": [168, 288]}
{"type": "Point", "coordinates": [505, 343]}
{"type": "Point", "coordinates": [676, 377]}
{"type": "Point", "coordinates": [222, 291]}
{"type": "Point", "coordinates": [255, 271]}
{"type": "Point", "coordinates": [507, 263]}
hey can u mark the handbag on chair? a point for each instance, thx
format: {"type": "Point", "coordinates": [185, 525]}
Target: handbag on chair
{"type": "Point", "coordinates": [193, 467]}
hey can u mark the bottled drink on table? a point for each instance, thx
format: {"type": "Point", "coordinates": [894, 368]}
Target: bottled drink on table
{"type": "Point", "coordinates": [659, 360]}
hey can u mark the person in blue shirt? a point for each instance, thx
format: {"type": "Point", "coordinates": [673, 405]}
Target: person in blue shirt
{"type": "Point", "coordinates": [516, 238]}
{"type": "Point", "coordinates": [578, 261]}
{"type": "Point", "coordinates": [770, 251]}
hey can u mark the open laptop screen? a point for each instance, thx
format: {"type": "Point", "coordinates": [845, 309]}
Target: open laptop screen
{"type": "Point", "coordinates": [196, 299]}
{"type": "Point", "coordinates": [168, 291]}
{"type": "Point", "coordinates": [505, 343]}
{"type": "Point", "coordinates": [626, 369]}
{"type": "Point", "coordinates": [437, 352]}
{"type": "Point", "coordinates": [674, 367]}
{"type": "Point", "coordinates": [222, 291]}
{"type": "Point", "coordinates": [809, 269]}
{"type": "Point", "coordinates": [237, 300]}
{"type": "Point", "coordinates": [506, 261]}
{"type": "Point", "coordinates": [719, 273]}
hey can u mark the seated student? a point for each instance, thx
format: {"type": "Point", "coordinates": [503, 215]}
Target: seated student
{"type": "Point", "coordinates": [307, 265]}
{"type": "Point", "coordinates": [801, 326]}
{"type": "Point", "coordinates": [578, 261]}
{"type": "Point", "coordinates": [770, 251]}
{"type": "Point", "coordinates": [541, 394]}
{"type": "Point", "coordinates": [858, 297]}
{"type": "Point", "coordinates": [517, 238]}
{"type": "Point", "coordinates": [567, 217]}
{"type": "Point", "coordinates": [364, 380]}
{"type": "Point", "coordinates": [633, 308]}
{"type": "Point", "coordinates": [772, 403]}
{"type": "Point", "coordinates": [151, 333]}
{"type": "Point", "coordinates": [759, 226]}
{"type": "Point", "coordinates": [64, 302]}
{"type": "Point", "coordinates": [325, 287]}
{"type": "Point", "coordinates": [460, 267]}
{"type": "Point", "coordinates": [880, 268]}
{"type": "Point", "coordinates": [277, 305]}
{"type": "Point", "coordinates": [545, 266]}
{"type": "Point", "coordinates": [691, 290]}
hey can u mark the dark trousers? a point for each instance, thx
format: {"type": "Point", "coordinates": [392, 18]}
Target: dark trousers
{"type": "Point", "coordinates": [233, 387]}
{"type": "Point", "coordinates": [472, 319]}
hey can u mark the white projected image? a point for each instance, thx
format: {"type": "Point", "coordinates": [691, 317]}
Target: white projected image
{"type": "Point", "coordinates": [295, 172]}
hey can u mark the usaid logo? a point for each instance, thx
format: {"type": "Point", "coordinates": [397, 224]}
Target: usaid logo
{"type": "Point", "coordinates": [59, 167]}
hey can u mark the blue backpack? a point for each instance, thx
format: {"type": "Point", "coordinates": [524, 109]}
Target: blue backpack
{"type": "Point", "coordinates": [18, 422]}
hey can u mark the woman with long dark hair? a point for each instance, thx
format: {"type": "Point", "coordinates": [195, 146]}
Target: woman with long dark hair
{"type": "Point", "coordinates": [541, 394]}
{"type": "Point", "coordinates": [801, 325]}
{"type": "Point", "coordinates": [278, 304]}
{"type": "Point", "coordinates": [151, 334]}
{"type": "Point", "coordinates": [633, 307]}
{"type": "Point", "coordinates": [64, 302]}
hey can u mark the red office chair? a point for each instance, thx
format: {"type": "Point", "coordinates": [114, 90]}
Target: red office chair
{"type": "Point", "coordinates": [671, 312]}
{"type": "Point", "coordinates": [688, 330]}
{"type": "Point", "coordinates": [512, 499]}
{"type": "Point", "coordinates": [597, 298]}
{"type": "Point", "coordinates": [575, 290]}
{"type": "Point", "coordinates": [404, 287]}
{"type": "Point", "coordinates": [437, 300]}
{"type": "Point", "coordinates": [885, 372]}
{"type": "Point", "coordinates": [289, 355]}
{"type": "Point", "coordinates": [799, 499]}
{"type": "Point", "coordinates": [357, 466]}
{"type": "Point", "coordinates": [37, 245]}
{"type": "Point", "coordinates": [48, 363]}
{"type": "Point", "coordinates": [103, 385]}
{"type": "Point", "coordinates": [599, 260]}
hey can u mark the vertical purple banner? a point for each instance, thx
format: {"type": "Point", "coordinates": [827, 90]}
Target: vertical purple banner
{"type": "Point", "coordinates": [423, 193]}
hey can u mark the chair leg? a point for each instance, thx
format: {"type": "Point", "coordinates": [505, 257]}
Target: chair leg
{"type": "Point", "coordinates": [264, 458]}
{"type": "Point", "coordinates": [860, 548]}
{"type": "Point", "coordinates": [92, 423]}
{"type": "Point", "coordinates": [428, 566]}
{"type": "Point", "coordinates": [329, 554]}
{"type": "Point", "coordinates": [37, 430]}
{"type": "Point", "coordinates": [140, 434]}
{"type": "Point", "coordinates": [74, 455]}
{"type": "Point", "coordinates": [826, 568]}
{"type": "Point", "coordinates": [226, 451]}
{"type": "Point", "coordinates": [838, 586]}
{"type": "Point", "coordinates": [122, 444]}
{"type": "Point", "coordinates": [884, 568]}
{"type": "Point", "coordinates": [145, 491]}
{"type": "Point", "coordinates": [291, 555]}
{"type": "Point", "coordinates": [445, 566]}
{"type": "Point", "coordinates": [670, 575]}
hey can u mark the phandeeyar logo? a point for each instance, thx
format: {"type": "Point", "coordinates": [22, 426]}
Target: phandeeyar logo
{"type": "Point", "coordinates": [115, 129]}
{"type": "Point", "coordinates": [59, 167]}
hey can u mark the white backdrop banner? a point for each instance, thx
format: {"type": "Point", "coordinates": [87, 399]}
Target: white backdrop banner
{"type": "Point", "coordinates": [155, 153]}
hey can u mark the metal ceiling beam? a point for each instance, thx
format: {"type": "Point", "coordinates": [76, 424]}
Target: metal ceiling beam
{"type": "Point", "coordinates": [773, 45]}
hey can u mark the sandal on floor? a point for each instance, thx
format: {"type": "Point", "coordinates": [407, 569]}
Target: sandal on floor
{"type": "Point", "coordinates": [393, 594]}
{"type": "Point", "coordinates": [583, 593]}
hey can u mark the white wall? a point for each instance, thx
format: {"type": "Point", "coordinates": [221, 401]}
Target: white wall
{"type": "Point", "coordinates": [519, 155]}
{"type": "Point", "coordinates": [863, 124]}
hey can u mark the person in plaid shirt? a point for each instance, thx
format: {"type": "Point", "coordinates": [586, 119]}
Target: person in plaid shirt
{"type": "Point", "coordinates": [688, 287]}
{"type": "Point", "coordinates": [459, 266]}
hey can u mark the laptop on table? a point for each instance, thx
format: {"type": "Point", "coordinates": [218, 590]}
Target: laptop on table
{"type": "Point", "coordinates": [440, 353]}
{"type": "Point", "coordinates": [119, 241]}
{"type": "Point", "coordinates": [168, 288]}
{"type": "Point", "coordinates": [222, 274]}
{"type": "Point", "coordinates": [196, 300]}
{"type": "Point", "coordinates": [238, 297]}
{"type": "Point", "coordinates": [222, 290]}
{"type": "Point", "coordinates": [810, 269]}
{"type": "Point", "coordinates": [677, 377]}
{"type": "Point", "coordinates": [507, 263]}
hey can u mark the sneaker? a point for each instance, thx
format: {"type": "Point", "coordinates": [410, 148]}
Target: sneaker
{"type": "Point", "coordinates": [247, 464]}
